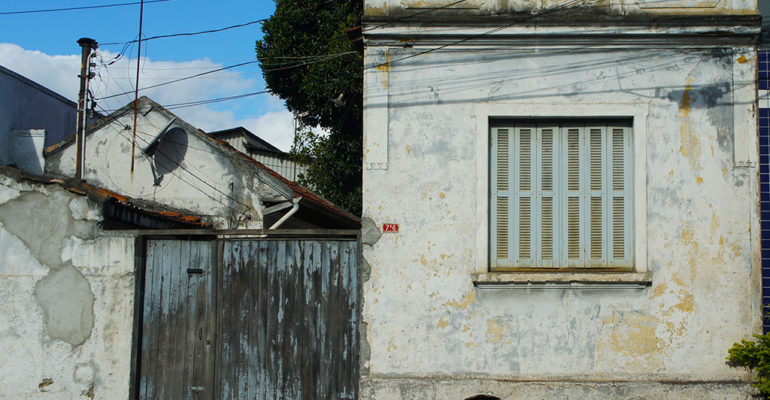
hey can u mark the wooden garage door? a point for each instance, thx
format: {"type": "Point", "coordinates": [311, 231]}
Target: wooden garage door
{"type": "Point", "coordinates": [250, 319]}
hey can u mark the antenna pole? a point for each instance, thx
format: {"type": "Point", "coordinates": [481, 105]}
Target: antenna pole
{"type": "Point", "coordinates": [87, 45]}
{"type": "Point", "coordinates": [136, 89]}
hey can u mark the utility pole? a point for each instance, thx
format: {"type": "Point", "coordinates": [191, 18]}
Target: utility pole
{"type": "Point", "coordinates": [136, 88]}
{"type": "Point", "coordinates": [87, 46]}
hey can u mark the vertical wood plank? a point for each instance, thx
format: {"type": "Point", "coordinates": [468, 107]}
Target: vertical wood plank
{"type": "Point", "coordinates": [146, 381]}
{"type": "Point", "coordinates": [250, 253]}
{"type": "Point", "coordinates": [214, 321]}
{"type": "Point", "coordinates": [189, 333]}
{"type": "Point", "coordinates": [177, 321]}
{"type": "Point", "coordinates": [305, 336]}
{"type": "Point", "coordinates": [262, 306]}
{"type": "Point", "coordinates": [225, 354]}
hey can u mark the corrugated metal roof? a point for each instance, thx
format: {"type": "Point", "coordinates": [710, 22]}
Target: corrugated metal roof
{"type": "Point", "coordinates": [307, 195]}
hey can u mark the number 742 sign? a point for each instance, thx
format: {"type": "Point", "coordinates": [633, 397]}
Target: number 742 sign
{"type": "Point", "coordinates": [390, 227]}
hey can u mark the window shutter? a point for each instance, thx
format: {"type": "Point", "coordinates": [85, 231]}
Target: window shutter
{"type": "Point", "coordinates": [573, 194]}
{"type": "Point", "coordinates": [621, 171]}
{"type": "Point", "coordinates": [548, 229]}
{"type": "Point", "coordinates": [597, 194]}
{"type": "Point", "coordinates": [500, 196]}
{"type": "Point", "coordinates": [524, 146]}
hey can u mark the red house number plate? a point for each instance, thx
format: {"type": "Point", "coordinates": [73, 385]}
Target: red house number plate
{"type": "Point", "coordinates": [390, 227]}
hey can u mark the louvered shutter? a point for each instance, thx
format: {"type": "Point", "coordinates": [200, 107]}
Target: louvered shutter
{"type": "Point", "coordinates": [547, 196]}
{"type": "Point", "coordinates": [500, 196]}
{"type": "Point", "coordinates": [573, 207]}
{"type": "Point", "coordinates": [526, 215]}
{"type": "Point", "coordinates": [619, 201]}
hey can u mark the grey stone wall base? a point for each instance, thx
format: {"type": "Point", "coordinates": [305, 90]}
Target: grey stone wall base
{"type": "Point", "coordinates": [459, 389]}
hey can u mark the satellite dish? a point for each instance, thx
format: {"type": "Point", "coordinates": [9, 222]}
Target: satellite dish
{"type": "Point", "coordinates": [167, 152]}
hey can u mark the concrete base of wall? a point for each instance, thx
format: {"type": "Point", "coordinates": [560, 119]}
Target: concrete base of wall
{"type": "Point", "coordinates": [461, 389]}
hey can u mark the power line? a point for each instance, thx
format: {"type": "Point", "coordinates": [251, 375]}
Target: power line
{"type": "Point", "coordinates": [257, 21]}
{"type": "Point", "coordinates": [190, 33]}
{"type": "Point", "coordinates": [279, 67]}
{"type": "Point", "coordinates": [79, 8]}
{"type": "Point", "coordinates": [184, 78]}
{"type": "Point", "coordinates": [206, 101]}
{"type": "Point", "coordinates": [216, 100]}
{"type": "Point", "coordinates": [289, 66]}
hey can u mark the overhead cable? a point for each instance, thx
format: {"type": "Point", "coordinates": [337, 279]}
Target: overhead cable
{"type": "Point", "coordinates": [79, 8]}
{"type": "Point", "coordinates": [257, 21]}
{"type": "Point", "coordinates": [190, 33]}
{"type": "Point", "coordinates": [185, 78]}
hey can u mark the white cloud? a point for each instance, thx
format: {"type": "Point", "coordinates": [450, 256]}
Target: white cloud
{"type": "Point", "coordinates": [276, 127]}
{"type": "Point", "coordinates": [60, 74]}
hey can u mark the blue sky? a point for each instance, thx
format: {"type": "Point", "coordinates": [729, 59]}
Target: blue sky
{"type": "Point", "coordinates": [42, 47]}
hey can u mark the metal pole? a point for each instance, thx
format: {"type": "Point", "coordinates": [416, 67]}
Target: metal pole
{"type": "Point", "coordinates": [86, 46]}
{"type": "Point", "coordinates": [136, 89]}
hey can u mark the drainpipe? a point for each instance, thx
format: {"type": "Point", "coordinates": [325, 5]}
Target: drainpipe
{"type": "Point", "coordinates": [288, 215]}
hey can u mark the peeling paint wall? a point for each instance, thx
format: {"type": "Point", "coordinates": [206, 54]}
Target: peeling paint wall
{"type": "Point", "coordinates": [198, 177]}
{"type": "Point", "coordinates": [398, 8]}
{"type": "Point", "coordinates": [67, 291]}
{"type": "Point", "coordinates": [432, 334]}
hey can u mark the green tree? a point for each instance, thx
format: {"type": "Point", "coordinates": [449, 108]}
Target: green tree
{"type": "Point", "coordinates": [755, 356]}
{"type": "Point", "coordinates": [309, 61]}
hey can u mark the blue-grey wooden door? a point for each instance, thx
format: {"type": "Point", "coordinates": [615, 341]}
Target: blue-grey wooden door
{"type": "Point", "coordinates": [176, 354]}
{"type": "Point", "coordinates": [289, 318]}
{"type": "Point", "coordinates": [250, 319]}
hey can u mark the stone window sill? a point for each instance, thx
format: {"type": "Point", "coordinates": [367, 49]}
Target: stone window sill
{"type": "Point", "coordinates": [562, 280]}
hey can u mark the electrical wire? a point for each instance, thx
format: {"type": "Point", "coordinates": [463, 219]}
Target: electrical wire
{"type": "Point", "coordinates": [289, 66]}
{"type": "Point", "coordinates": [191, 33]}
{"type": "Point", "coordinates": [215, 30]}
{"type": "Point", "coordinates": [79, 8]}
{"type": "Point", "coordinates": [184, 78]}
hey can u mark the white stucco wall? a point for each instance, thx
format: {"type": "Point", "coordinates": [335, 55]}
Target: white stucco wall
{"type": "Point", "coordinates": [208, 181]}
{"type": "Point", "coordinates": [67, 290]}
{"type": "Point", "coordinates": [430, 333]}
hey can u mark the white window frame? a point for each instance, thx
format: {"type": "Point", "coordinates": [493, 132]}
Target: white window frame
{"type": "Point", "coordinates": [638, 113]}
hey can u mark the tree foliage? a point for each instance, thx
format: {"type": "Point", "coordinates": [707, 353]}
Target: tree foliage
{"type": "Point", "coordinates": [753, 355]}
{"type": "Point", "coordinates": [309, 61]}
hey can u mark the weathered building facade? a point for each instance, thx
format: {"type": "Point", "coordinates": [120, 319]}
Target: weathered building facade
{"type": "Point", "coordinates": [104, 298]}
{"type": "Point", "coordinates": [67, 287]}
{"type": "Point", "coordinates": [589, 226]}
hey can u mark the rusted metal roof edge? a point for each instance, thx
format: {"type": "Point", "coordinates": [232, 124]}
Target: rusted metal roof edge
{"type": "Point", "coordinates": [250, 233]}
{"type": "Point", "coordinates": [104, 196]}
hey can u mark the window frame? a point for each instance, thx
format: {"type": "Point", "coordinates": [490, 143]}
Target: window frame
{"type": "Point", "coordinates": [505, 194]}
{"type": "Point", "coordinates": [488, 115]}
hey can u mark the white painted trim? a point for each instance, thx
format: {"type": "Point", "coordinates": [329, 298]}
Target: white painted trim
{"type": "Point", "coordinates": [376, 108]}
{"type": "Point", "coordinates": [482, 113]}
{"type": "Point", "coordinates": [744, 107]}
